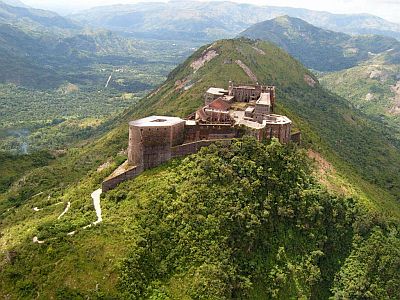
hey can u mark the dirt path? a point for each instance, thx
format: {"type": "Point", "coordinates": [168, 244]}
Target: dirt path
{"type": "Point", "coordinates": [96, 202]}
{"type": "Point", "coordinates": [65, 210]}
{"type": "Point", "coordinates": [247, 70]}
{"type": "Point", "coordinates": [97, 206]}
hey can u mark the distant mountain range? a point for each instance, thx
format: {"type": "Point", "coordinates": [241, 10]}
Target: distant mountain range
{"type": "Point", "coordinates": [320, 49]}
{"type": "Point", "coordinates": [16, 3]}
{"type": "Point", "coordinates": [40, 49]}
{"type": "Point", "coordinates": [16, 13]}
{"type": "Point", "coordinates": [218, 19]}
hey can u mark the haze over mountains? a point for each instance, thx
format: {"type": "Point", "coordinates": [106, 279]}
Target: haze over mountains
{"type": "Point", "coordinates": [211, 20]}
{"type": "Point", "coordinates": [33, 18]}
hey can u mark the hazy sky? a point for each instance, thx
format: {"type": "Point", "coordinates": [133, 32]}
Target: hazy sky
{"type": "Point", "coordinates": [388, 9]}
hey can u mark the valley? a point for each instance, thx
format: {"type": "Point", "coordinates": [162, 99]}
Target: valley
{"type": "Point", "coordinates": [255, 218]}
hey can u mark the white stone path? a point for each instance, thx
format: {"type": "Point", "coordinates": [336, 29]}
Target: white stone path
{"type": "Point", "coordinates": [96, 203]}
{"type": "Point", "coordinates": [65, 210]}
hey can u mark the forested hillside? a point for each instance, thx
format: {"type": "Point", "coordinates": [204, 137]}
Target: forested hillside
{"type": "Point", "coordinates": [249, 220]}
{"type": "Point", "coordinates": [373, 87]}
{"type": "Point", "coordinates": [319, 49]}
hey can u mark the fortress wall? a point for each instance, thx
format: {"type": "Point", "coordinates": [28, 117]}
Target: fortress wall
{"type": "Point", "coordinates": [281, 131]}
{"type": "Point", "coordinates": [150, 146]}
{"type": "Point", "coordinates": [194, 147]}
{"type": "Point", "coordinates": [177, 134]}
{"type": "Point", "coordinates": [135, 147]}
{"type": "Point", "coordinates": [296, 137]}
{"type": "Point", "coordinates": [156, 145]}
{"type": "Point", "coordinates": [198, 132]}
{"type": "Point", "coordinates": [112, 181]}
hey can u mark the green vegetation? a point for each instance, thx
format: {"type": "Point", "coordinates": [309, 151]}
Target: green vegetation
{"type": "Point", "coordinates": [247, 220]}
{"type": "Point", "coordinates": [35, 120]}
{"type": "Point", "coordinates": [229, 218]}
{"type": "Point", "coordinates": [319, 49]}
{"type": "Point", "coordinates": [242, 221]}
{"type": "Point", "coordinates": [14, 166]}
{"type": "Point", "coordinates": [61, 87]}
{"type": "Point", "coordinates": [371, 87]}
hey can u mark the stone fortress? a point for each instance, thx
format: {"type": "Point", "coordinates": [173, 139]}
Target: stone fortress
{"type": "Point", "coordinates": [227, 114]}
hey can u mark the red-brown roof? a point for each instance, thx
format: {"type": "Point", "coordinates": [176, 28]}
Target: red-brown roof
{"type": "Point", "coordinates": [219, 104]}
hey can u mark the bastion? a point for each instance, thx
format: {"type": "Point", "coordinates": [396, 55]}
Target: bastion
{"type": "Point", "coordinates": [151, 140]}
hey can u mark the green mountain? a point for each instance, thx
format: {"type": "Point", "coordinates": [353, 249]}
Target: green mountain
{"type": "Point", "coordinates": [372, 87]}
{"type": "Point", "coordinates": [195, 20]}
{"type": "Point", "coordinates": [17, 13]}
{"type": "Point", "coordinates": [248, 221]}
{"type": "Point", "coordinates": [317, 48]}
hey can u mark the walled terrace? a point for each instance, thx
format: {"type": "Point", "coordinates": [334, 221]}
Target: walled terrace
{"type": "Point", "coordinates": [226, 114]}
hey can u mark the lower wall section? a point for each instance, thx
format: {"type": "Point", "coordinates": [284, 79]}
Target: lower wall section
{"type": "Point", "coordinates": [122, 173]}
{"type": "Point", "coordinates": [125, 172]}
{"type": "Point", "coordinates": [191, 148]}
{"type": "Point", "coordinates": [296, 137]}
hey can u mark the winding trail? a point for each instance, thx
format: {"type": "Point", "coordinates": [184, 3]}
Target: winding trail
{"type": "Point", "coordinates": [65, 210]}
{"type": "Point", "coordinates": [96, 202]}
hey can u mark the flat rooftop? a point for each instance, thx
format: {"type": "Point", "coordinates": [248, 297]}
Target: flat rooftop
{"type": "Point", "coordinates": [156, 121]}
{"type": "Point", "coordinates": [240, 119]}
{"type": "Point", "coordinates": [277, 119]}
{"type": "Point", "coordinates": [217, 91]}
{"type": "Point", "coordinates": [265, 99]}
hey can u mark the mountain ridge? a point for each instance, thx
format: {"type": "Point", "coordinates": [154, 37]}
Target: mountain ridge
{"type": "Point", "coordinates": [183, 20]}
{"type": "Point", "coordinates": [27, 17]}
{"type": "Point", "coordinates": [317, 48]}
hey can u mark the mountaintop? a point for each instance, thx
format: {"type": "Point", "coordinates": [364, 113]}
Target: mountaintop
{"type": "Point", "coordinates": [246, 221]}
{"type": "Point", "coordinates": [317, 48]}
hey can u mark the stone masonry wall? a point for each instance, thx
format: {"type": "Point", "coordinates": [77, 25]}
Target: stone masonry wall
{"type": "Point", "coordinates": [112, 181]}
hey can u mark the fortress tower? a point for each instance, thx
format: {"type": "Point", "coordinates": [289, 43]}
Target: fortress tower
{"type": "Point", "coordinates": [151, 139]}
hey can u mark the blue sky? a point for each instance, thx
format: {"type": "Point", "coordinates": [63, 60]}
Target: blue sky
{"type": "Point", "coordinates": [388, 9]}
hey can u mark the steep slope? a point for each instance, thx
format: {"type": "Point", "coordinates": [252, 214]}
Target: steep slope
{"type": "Point", "coordinates": [187, 219]}
{"type": "Point", "coordinates": [372, 87]}
{"type": "Point", "coordinates": [316, 48]}
{"type": "Point", "coordinates": [218, 19]}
